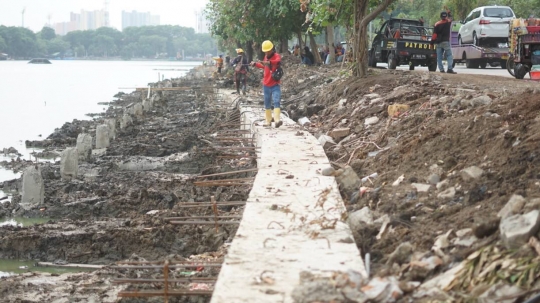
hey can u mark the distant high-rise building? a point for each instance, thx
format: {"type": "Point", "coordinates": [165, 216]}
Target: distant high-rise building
{"type": "Point", "coordinates": [86, 20]}
{"type": "Point", "coordinates": [137, 19]}
{"type": "Point", "coordinates": [201, 23]}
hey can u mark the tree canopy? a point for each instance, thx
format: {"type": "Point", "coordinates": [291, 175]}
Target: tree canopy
{"type": "Point", "coordinates": [133, 42]}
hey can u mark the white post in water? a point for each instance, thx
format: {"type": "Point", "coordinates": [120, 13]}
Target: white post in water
{"type": "Point", "coordinates": [102, 136]}
{"type": "Point", "coordinates": [69, 163]}
{"type": "Point", "coordinates": [111, 123]}
{"type": "Point", "coordinates": [33, 189]}
{"type": "Point", "coordinates": [84, 146]}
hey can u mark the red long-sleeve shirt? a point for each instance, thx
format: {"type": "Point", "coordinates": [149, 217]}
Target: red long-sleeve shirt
{"type": "Point", "coordinates": [275, 61]}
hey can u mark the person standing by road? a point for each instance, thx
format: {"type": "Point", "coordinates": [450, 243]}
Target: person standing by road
{"type": "Point", "coordinates": [271, 65]}
{"type": "Point", "coordinates": [441, 37]}
{"type": "Point", "coordinates": [307, 57]}
{"type": "Point", "coordinates": [240, 71]}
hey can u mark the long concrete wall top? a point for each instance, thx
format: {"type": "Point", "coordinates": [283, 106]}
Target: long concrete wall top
{"type": "Point", "coordinates": [291, 223]}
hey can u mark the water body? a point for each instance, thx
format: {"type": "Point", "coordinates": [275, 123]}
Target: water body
{"type": "Point", "coordinates": [13, 267]}
{"type": "Point", "coordinates": [37, 98]}
{"type": "Point", "coordinates": [22, 221]}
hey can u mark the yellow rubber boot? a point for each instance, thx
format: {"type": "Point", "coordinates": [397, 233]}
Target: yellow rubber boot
{"type": "Point", "coordinates": [277, 117]}
{"type": "Point", "coordinates": [268, 117]}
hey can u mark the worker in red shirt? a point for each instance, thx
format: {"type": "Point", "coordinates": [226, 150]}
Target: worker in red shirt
{"type": "Point", "coordinates": [271, 65]}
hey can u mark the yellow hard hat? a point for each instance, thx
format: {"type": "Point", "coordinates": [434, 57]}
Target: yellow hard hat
{"type": "Point", "coordinates": [267, 46]}
{"type": "Point", "coordinates": [239, 50]}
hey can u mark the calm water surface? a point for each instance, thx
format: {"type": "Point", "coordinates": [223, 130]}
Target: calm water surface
{"type": "Point", "coordinates": [37, 98]}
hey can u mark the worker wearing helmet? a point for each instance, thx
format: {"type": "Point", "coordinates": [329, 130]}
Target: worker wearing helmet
{"type": "Point", "coordinates": [219, 63]}
{"type": "Point", "coordinates": [241, 69]}
{"type": "Point", "coordinates": [271, 88]}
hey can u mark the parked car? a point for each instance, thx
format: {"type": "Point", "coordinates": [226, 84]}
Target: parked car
{"type": "Point", "coordinates": [486, 25]}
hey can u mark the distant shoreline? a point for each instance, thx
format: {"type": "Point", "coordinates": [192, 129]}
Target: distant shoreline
{"type": "Point", "coordinates": [108, 59]}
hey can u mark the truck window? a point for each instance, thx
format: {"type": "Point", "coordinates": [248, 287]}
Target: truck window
{"type": "Point", "coordinates": [498, 12]}
{"type": "Point", "coordinates": [476, 15]}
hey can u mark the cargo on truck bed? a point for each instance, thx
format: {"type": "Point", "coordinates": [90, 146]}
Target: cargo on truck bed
{"type": "Point", "coordinates": [403, 42]}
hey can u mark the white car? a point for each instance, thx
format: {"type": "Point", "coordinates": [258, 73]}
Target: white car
{"type": "Point", "coordinates": [486, 24]}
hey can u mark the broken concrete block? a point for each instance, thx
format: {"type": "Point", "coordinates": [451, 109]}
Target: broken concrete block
{"type": "Point", "coordinates": [342, 103]}
{"type": "Point", "coordinates": [383, 289]}
{"type": "Point", "coordinates": [512, 207]}
{"type": "Point", "coordinates": [326, 141]}
{"type": "Point", "coordinates": [358, 217]}
{"type": "Point", "coordinates": [471, 173]}
{"type": "Point", "coordinates": [447, 194]}
{"type": "Point", "coordinates": [517, 229]}
{"type": "Point", "coordinates": [421, 188]}
{"type": "Point", "coordinates": [347, 179]}
{"type": "Point", "coordinates": [371, 121]}
{"type": "Point", "coordinates": [84, 146]}
{"type": "Point", "coordinates": [433, 179]}
{"type": "Point", "coordinates": [69, 163]}
{"type": "Point", "coordinates": [338, 133]}
{"type": "Point", "coordinates": [328, 171]}
{"type": "Point", "coordinates": [304, 121]}
{"type": "Point", "coordinates": [102, 136]}
{"type": "Point", "coordinates": [372, 96]}
{"type": "Point", "coordinates": [396, 109]}
{"type": "Point", "coordinates": [33, 189]}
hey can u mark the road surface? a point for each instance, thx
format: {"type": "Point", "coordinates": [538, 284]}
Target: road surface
{"type": "Point", "coordinates": [461, 69]}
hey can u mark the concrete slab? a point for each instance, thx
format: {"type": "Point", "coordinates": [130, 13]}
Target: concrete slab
{"type": "Point", "coordinates": [290, 224]}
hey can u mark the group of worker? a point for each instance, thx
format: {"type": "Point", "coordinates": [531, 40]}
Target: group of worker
{"type": "Point", "coordinates": [271, 83]}
{"type": "Point", "coordinates": [308, 58]}
{"type": "Point", "coordinates": [271, 64]}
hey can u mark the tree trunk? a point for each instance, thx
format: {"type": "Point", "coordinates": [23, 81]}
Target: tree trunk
{"type": "Point", "coordinates": [300, 43]}
{"type": "Point", "coordinates": [314, 48]}
{"type": "Point", "coordinates": [249, 50]}
{"type": "Point", "coordinates": [284, 47]}
{"type": "Point", "coordinates": [331, 46]}
{"type": "Point", "coordinates": [361, 22]}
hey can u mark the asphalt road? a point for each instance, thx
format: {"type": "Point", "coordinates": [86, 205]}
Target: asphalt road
{"type": "Point", "coordinates": [461, 69]}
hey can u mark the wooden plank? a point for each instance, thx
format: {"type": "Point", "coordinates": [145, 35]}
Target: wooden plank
{"type": "Point", "coordinates": [71, 265]}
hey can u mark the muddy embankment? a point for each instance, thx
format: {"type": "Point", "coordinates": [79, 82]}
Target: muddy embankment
{"type": "Point", "coordinates": [116, 207]}
{"type": "Point", "coordinates": [446, 190]}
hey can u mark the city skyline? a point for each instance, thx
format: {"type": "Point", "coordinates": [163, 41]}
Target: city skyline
{"type": "Point", "coordinates": [38, 13]}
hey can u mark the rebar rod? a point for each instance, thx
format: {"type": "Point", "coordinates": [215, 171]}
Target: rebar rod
{"type": "Point", "coordinates": [229, 173]}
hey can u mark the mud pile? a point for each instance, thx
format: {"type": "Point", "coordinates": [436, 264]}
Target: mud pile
{"type": "Point", "coordinates": [440, 161]}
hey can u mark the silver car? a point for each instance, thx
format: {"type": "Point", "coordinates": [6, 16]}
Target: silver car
{"type": "Point", "coordinates": [486, 25]}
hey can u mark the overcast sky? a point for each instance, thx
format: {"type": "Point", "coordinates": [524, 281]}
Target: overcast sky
{"type": "Point", "coordinates": [175, 12]}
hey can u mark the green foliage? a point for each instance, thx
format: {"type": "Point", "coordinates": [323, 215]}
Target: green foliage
{"type": "Point", "coordinates": [147, 41]}
{"type": "Point", "coordinates": [47, 33]}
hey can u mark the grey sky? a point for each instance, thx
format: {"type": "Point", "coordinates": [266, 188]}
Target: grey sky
{"type": "Point", "coordinates": [175, 12]}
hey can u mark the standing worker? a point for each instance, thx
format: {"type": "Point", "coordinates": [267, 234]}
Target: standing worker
{"type": "Point", "coordinates": [219, 63]}
{"type": "Point", "coordinates": [271, 65]}
{"type": "Point", "coordinates": [441, 37]}
{"type": "Point", "coordinates": [240, 71]}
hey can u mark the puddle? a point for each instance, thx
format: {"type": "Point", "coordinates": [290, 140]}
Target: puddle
{"type": "Point", "coordinates": [22, 221]}
{"type": "Point", "coordinates": [14, 267]}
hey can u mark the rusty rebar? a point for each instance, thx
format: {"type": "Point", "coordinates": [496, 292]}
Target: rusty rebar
{"type": "Point", "coordinates": [183, 280]}
{"type": "Point", "coordinates": [157, 293]}
{"type": "Point", "coordinates": [195, 265]}
{"type": "Point", "coordinates": [206, 204]}
{"type": "Point", "coordinates": [203, 222]}
{"type": "Point", "coordinates": [229, 173]}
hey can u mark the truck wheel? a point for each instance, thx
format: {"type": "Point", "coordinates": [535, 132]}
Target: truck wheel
{"type": "Point", "coordinates": [503, 64]}
{"type": "Point", "coordinates": [392, 62]}
{"type": "Point", "coordinates": [453, 64]}
{"type": "Point", "coordinates": [483, 64]}
{"type": "Point", "coordinates": [372, 62]}
{"type": "Point", "coordinates": [520, 71]}
{"type": "Point", "coordinates": [432, 66]}
{"type": "Point", "coordinates": [411, 66]}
